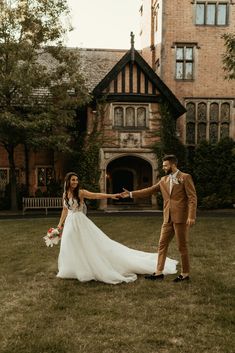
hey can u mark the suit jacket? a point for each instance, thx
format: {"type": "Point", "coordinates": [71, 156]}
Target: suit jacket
{"type": "Point", "coordinates": [178, 205]}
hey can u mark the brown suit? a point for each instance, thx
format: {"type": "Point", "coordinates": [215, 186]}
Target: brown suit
{"type": "Point", "coordinates": [179, 205]}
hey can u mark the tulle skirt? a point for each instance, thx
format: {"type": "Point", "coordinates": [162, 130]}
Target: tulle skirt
{"type": "Point", "coordinates": [86, 253]}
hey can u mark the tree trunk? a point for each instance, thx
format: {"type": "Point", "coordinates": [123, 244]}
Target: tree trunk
{"type": "Point", "coordinates": [14, 206]}
{"type": "Point", "coordinates": [26, 156]}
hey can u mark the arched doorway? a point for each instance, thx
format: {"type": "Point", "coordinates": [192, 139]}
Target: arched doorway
{"type": "Point", "coordinates": [131, 173]}
{"type": "Point", "coordinates": [122, 178]}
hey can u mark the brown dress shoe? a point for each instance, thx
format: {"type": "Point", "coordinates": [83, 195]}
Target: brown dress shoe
{"type": "Point", "coordinates": [180, 278]}
{"type": "Point", "coordinates": [155, 277]}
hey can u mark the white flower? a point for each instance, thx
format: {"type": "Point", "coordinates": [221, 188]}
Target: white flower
{"type": "Point", "coordinates": [53, 236]}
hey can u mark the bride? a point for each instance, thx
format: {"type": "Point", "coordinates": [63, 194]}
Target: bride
{"type": "Point", "coordinates": [86, 253]}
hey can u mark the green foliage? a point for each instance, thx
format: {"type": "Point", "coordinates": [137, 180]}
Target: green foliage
{"type": "Point", "coordinates": [40, 82]}
{"type": "Point", "coordinates": [86, 152]}
{"type": "Point", "coordinates": [85, 162]}
{"type": "Point", "coordinates": [229, 56]}
{"type": "Point", "coordinates": [214, 174]}
{"type": "Point", "coordinates": [169, 142]}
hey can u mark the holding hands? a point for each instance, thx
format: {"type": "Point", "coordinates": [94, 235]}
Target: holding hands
{"type": "Point", "coordinates": [125, 193]}
{"type": "Point", "coordinates": [116, 196]}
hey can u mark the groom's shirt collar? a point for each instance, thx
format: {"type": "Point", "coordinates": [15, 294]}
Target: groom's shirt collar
{"type": "Point", "coordinates": [173, 175]}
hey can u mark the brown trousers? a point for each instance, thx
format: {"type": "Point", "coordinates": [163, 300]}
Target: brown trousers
{"type": "Point", "coordinates": [168, 230]}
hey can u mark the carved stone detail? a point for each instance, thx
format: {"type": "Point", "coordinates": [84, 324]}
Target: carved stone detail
{"type": "Point", "coordinates": [130, 140]}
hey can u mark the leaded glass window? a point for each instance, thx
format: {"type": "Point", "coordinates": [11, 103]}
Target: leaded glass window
{"type": "Point", "coordinates": [213, 133]}
{"type": "Point", "coordinates": [130, 116]}
{"type": "Point", "coordinates": [224, 130]}
{"type": "Point", "coordinates": [225, 112]}
{"type": "Point", "coordinates": [207, 120]}
{"type": "Point", "coordinates": [141, 117]}
{"type": "Point", "coordinates": [201, 132]}
{"type": "Point", "coordinates": [179, 70]}
{"type": "Point", "coordinates": [191, 114]}
{"type": "Point", "coordinates": [184, 62]}
{"type": "Point", "coordinates": [118, 116]}
{"type": "Point", "coordinates": [4, 178]}
{"type": "Point", "coordinates": [214, 112]}
{"type": "Point", "coordinates": [201, 112]}
{"type": "Point", "coordinates": [45, 175]}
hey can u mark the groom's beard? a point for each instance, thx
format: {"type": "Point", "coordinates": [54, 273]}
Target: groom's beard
{"type": "Point", "coordinates": [169, 171]}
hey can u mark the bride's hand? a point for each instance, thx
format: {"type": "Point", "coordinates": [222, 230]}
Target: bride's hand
{"type": "Point", "coordinates": [116, 196]}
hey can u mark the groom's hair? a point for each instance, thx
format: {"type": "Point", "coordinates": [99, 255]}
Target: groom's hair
{"type": "Point", "coordinates": [171, 158]}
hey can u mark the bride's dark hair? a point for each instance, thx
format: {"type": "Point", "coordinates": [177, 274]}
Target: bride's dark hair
{"type": "Point", "coordinates": [75, 192]}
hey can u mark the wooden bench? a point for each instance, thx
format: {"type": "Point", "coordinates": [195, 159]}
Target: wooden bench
{"type": "Point", "coordinates": [41, 202]}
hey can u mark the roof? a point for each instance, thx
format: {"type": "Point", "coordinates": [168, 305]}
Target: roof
{"type": "Point", "coordinates": [97, 63]}
{"type": "Point", "coordinates": [133, 57]}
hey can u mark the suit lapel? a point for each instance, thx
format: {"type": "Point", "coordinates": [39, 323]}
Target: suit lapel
{"type": "Point", "coordinates": [167, 184]}
{"type": "Point", "coordinates": [178, 176]}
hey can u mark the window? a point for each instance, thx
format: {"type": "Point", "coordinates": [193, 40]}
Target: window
{"type": "Point", "coordinates": [141, 117]}
{"type": "Point", "coordinates": [190, 125]}
{"type": "Point", "coordinates": [45, 175]}
{"type": "Point", "coordinates": [202, 120]}
{"type": "Point", "coordinates": [130, 117]}
{"type": "Point", "coordinates": [4, 178]}
{"type": "Point", "coordinates": [212, 13]}
{"type": "Point", "coordinates": [225, 118]}
{"type": "Point", "coordinates": [184, 62]}
{"type": "Point", "coordinates": [209, 120]}
{"type": "Point", "coordinates": [118, 116]}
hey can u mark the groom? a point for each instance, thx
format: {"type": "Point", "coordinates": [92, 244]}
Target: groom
{"type": "Point", "coordinates": [179, 213]}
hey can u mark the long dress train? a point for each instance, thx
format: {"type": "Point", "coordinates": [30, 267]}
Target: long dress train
{"type": "Point", "coordinates": [86, 253]}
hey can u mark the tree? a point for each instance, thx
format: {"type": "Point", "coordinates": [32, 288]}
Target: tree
{"type": "Point", "coordinates": [229, 56]}
{"type": "Point", "coordinates": [214, 173]}
{"type": "Point", "coordinates": [40, 82]}
{"type": "Point", "coordinates": [85, 159]}
{"type": "Point", "coordinates": [168, 141]}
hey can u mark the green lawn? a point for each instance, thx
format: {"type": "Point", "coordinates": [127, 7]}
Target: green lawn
{"type": "Point", "coordinates": [40, 313]}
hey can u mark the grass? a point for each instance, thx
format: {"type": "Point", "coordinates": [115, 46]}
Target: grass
{"type": "Point", "coordinates": [40, 313]}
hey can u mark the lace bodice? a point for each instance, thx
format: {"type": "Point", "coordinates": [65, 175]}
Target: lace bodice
{"type": "Point", "coordinates": [74, 207]}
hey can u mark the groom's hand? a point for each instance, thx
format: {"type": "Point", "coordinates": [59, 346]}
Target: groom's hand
{"type": "Point", "coordinates": [190, 222]}
{"type": "Point", "coordinates": [125, 193]}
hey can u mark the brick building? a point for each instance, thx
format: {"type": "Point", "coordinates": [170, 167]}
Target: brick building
{"type": "Point", "coordinates": [180, 57]}
{"type": "Point", "coordinates": [182, 41]}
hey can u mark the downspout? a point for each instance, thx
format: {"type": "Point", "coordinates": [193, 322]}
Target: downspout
{"type": "Point", "coordinates": [162, 42]}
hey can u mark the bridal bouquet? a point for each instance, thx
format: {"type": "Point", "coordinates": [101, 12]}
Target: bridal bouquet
{"type": "Point", "coordinates": [53, 236]}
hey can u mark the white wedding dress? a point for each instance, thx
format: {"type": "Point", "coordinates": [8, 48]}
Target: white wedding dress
{"type": "Point", "coordinates": [86, 253]}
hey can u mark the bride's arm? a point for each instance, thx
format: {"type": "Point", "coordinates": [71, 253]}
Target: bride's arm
{"type": "Point", "coordinates": [63, 216]}
{"type": "Point", "coordinates": [98, 195]}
